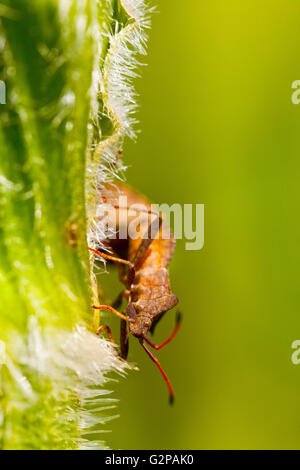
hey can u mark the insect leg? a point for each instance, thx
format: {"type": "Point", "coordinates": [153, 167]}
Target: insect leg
{"type": "Point", "coordinates": [124, 343]}
{"type": "Point", "coordinates": [131, 316]}
{"type": "Point", "coordinates": [116, 304]}
{"type": "Point", "coordinates": [131, 268]}
{"type": "Point", "coordinates": [105, 327]}
{"type": "Point", "coordinates": [111, 309]}
{"type": "Point", "coordinates": [155, 360]}
{"type": "Point", "coordinates": [124, 332]}
{"type": "Point", "coordinates": [173, 334]}
{"type": "Point", "coordinates": [124, 337]}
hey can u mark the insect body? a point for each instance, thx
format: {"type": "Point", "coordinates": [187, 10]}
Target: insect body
{"type": "Point", "coordinates": [147, 279]}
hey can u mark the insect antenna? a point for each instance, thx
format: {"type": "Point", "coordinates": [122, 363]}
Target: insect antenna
{"type": "Point", "coordinates": [172, 335]}
{"type": "Point", "coordinates": [155, 360]}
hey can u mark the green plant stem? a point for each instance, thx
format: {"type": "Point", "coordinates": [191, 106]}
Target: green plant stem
{"type": "Point", "coordinates": [46, 62]}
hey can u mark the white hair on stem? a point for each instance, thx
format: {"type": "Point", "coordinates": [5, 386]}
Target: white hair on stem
{"type": "Point", "coordinates": [112, 85]}
{"type": "Point", "coordinates": [113, 82]}
{"type": "Point", "coordinates": [74, 361]}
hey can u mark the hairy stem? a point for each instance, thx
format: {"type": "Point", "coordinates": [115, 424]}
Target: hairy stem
{"type": "Point", "coordinates": [67, 66]}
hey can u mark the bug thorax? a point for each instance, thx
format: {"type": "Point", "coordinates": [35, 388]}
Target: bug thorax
{"type": "Point", "coordinates": [140, 326]}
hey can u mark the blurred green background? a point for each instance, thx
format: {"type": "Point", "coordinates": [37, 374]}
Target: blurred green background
{"type": "Point", "coordinates": [219, 128]}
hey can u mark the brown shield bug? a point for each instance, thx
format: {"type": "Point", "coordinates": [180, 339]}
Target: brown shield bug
{"type": "Point", "coordinates": [146, 277]}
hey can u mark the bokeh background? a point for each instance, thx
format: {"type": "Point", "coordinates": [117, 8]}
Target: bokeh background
{"type": "Point", "coordinates": [219, 128]}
